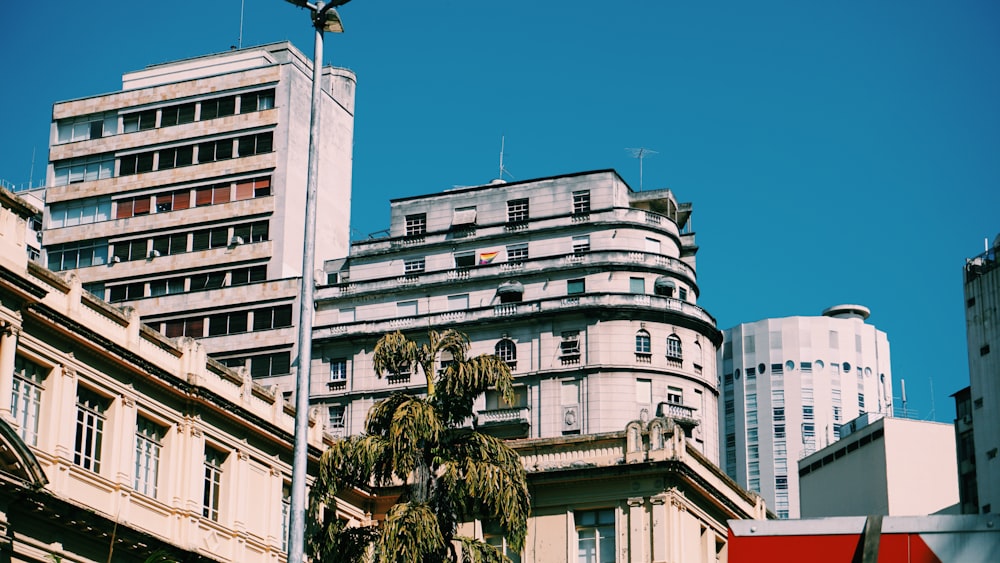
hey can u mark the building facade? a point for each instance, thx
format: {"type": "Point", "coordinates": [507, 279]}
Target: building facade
{"type": "Point", "coordinates": [118, 443]}
{"type": "Point", "coordinates": [183, 195]}
{"type": "Point", "coordinates": [585, 288]}
{"type": "Point", "coordinates": [642, 495]}
{"type": "Point", "coordinates": [788, 385]}
{"type": "Point", "coordinates": [880, 465]}
{"type": "Point", "coordinates": [977, 407]}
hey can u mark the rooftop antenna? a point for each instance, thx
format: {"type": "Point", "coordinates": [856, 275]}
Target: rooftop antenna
{"type": "Point", "coordinates": [239, 40]}
{"type": "Point", "coordinates": [502, 169]}
{"type": "Point", "coordinates": [31, 173]}
{"type": "Point", "coordinates": [641, 153]}
{"type": "Point", "coordinates": [902, 386]}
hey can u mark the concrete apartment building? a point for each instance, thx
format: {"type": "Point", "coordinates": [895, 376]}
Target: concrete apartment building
{"type": "Point", "coordinates": [977, 407]}
{"type": "Point", "coordinates": [586, 288]}
{"type": "Point", "coordinates": [118, 442]}
{"type": "Point", "coordinates": [183, 195]}
{"type": "Point", "coordinates": [788, 385]}
{"type": "Point", "coordinates": [881, 465]}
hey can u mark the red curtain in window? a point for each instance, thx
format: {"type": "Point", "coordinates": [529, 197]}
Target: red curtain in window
{"type": "Point", "coordinates": [141, 206]}
{"type": "Point", "coordinates": [182, 200]}
{"type": "Point", "coordinates": [244, 190]}
{"type": "Point", "coordinates": [221, 194]}
{"type": "Point", "coordinates": [124, 209]}
{"type": "Point", "coordinates": [203, 196]}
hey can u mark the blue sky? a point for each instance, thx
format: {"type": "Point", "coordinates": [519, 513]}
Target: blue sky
{"type": "Point", "coordinates": [841, 152]}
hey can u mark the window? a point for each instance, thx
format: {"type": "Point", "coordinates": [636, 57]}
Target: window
{"type": "Point", "coordinates": [267, 365]}
{"type": "Point", "coordinates": [136, 163]}
{"type": "Point", "coordinates": [338, 369]}
{"type": "Point", "coordinates": [652, 246]}
{"type": "Point", "coordinates": [214, 460]}
{"type": "Point", "coordinates": [807, 412]}
{"type": "Point", "coordinates": [130, 250]}
{"type": "Point", "coordinates": [79, 212]}
{"type": "Point", "coordinates": [148, 441]}
{"type": "Point", "coordinates": [809, 430]}
{"type": "Point", "coordinates": [984, 350]}
{"type": "Point", "coordinates": [252, 232]}
{"type": "Point", "coordinates": [674, 347]}
{"type": "Point", "coordinates": [406, 308]}
{"type": "Point", "coordinates": [506, 351]}
{"type": "Point", "coordinates": [675, 395]}
{"type": "Point", "coordinates": [257, 101]}
{"type": "Point", "coordinates": [643, 343]}
{"type": "Point", "coordinates": [458, 302]}
{"type": "Point", "coordinates": [861, 402]}
{"type": "Point", "coordinates": [219, 107]}
{"type": "Point", "coordinates": [211, 280]}
{"type": "Point", "coordinates": [595, 533]}
{"type": "Point", "coordinates": [212, 151]}
{"type": "Point", "coordinates": [637, 286]}
{"type": "Point", "coordinates": [576, 286]}
{"type": "Point", "coordinates": [176, 157]}
{"type": "Point", "coordinates": [682, 293]}
{"type": "Point", "coordinates": [347, 315]}
{"type": "Point", "coordinates": [249, 145]}
{"type": "Point", "coordinates": [90, 413]}
{"type": "Point", "coordinates": [170, 244]}
{"type": "Point", "coordinates": [166, 287]}
{"type": "Point", "coordinates": [272, 317]}
{"type": "Point", "coordinates": [336, 415]}
{"type": "Point", "coordinates": [256, 187]}
{"type": "Point", "coordinates": [413, 266]}
{"type": "Point", "coordinates": [517, 252]}
{"type": "Point", "coordinates": [517, 210]}
{"type": "Point", "coordinates": [581, 202]}
{"type": "Point", "coordinates": [86, 127]}
{"type": "Point", "coordinates": [193, 328]}
{"type": "Point", "coordinates": [205, 239]}
{"type": "Point", "coordinates": [126, 292]}
{"type": "Point", "coordinates": [227, 323]}
{"type": "Point", "coordinates": [177, 115]}
{"type": "Point", "coordinates": [77, 255]}
{"type": "Point", "coordinates": [570, 346]}
{"type": "Point", "coordinates": [492, 535]}
{"type": "Point", "coordinates": [244, 276]}
{"type": "Point", "coordinates": [26, 398]}
{"type": "Point", "coordinates": [581, 245]}
{"type": "Point", "coordinates": [83, 169]}
{"type": "Point", "coordinates": [286, 511]}
{"type": "Point", "coordinates": [779, 430]}
{"type": "Point", "coordinates": [779, 414]}
{"type": "Point", "coordinates": [416, 224]}
{"type": "Point", "coordinates": [465, 259]}
{"type": "Point", "coordinates": [139, 121]}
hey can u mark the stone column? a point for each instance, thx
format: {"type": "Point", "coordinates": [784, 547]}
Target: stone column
{"type": "Point", "coordinates": [659, 527]}
{"type": "Point", "coordinates": [637, 530]}
{"type": "Point", "coordinates": [8, 347]}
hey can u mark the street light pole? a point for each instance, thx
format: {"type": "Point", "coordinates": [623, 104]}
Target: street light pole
{"type": "Point", "coordinates": [324, 18]}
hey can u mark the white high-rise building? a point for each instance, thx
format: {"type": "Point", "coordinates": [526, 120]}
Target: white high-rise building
{"type": "Point", "coordinates": [788, 384]}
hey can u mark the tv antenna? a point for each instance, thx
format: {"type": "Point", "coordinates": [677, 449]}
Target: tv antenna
{"type": "Point", "coordinates": [503, 170]}
{"type": "Point", "coordinates": [641, 153]}
{"type": "Point", "coordinates": [239, 40]}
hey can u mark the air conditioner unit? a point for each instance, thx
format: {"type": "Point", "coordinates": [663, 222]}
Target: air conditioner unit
{"type": "Point", "coordinates": [114, 260]}
{"type": "Point", "coordinates": [236, 241]}
{"type": "Point", "coordinates": [571, 418]}
{"type": "Point", "coordinates": [153, 254]}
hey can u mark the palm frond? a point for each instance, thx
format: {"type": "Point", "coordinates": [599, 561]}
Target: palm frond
{"type": "Point", "coordinates": [394, 354]}
{"type": "Point", "coordinates": [335, 542]}
{"type": "Point", "coordinates": [460, 384]}
{"type": "Point", "coordinates": [407, 424]}
{"type": "Point", "coordinates": [409, 534]}
{"type": "Point", "coordinates": [478, 551]}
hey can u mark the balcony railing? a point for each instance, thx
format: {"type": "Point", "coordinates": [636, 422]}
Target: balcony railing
{"type": "Point", "coordinates": [503, 416]}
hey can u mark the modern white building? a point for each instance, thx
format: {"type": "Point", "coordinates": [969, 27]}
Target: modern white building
{"type": "Point", "coordinates": [585, 287]}
{"type": "Point", "coordinates": [788, 385]}
{"type": "Point", "coordinates": [977, 426]}
{"type": "Point", "coordinates": [881, 465]}
{"type": "Point", "coordinates": [183, 195]}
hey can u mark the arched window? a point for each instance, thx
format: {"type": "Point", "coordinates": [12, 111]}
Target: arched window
{"type": "Point", "coordinates": [507, 352]}
{"type": "Point", "coordinates": [643, 344]}
{"type": "Point", "coordinates": [674, 347]}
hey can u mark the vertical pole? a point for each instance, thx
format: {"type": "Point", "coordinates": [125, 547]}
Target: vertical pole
{"type": "Point", "coordinates": [297, 516]}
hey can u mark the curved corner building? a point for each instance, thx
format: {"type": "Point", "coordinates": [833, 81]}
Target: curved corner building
{"type": "Point", "coordinates": [585, 287]}
{"type": "Point", "coordinates": [788, 385]}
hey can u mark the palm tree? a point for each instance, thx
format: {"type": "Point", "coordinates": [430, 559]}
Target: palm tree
{"type": "Point", "coordinates": [449, 472]}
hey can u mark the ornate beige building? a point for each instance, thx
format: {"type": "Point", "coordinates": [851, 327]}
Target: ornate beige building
{"type": "Point", "coordinates": [116, 442]}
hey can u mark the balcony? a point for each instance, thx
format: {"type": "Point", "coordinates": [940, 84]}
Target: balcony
{"type": "Point", "coordinates": [511, 422]}
{"type": "Point", "coordinates": [520, 310]}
